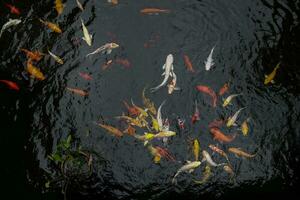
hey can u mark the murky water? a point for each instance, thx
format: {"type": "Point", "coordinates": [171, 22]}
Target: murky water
{"type": "Point", "coordinates": [251, 37]}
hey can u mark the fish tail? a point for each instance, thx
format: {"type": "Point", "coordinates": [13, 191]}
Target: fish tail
{"type": "Point", "coordinates": [42, 21]}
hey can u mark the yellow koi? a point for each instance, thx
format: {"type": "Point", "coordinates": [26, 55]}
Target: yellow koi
{"type": "Point", "coordinates": [196, 149]}
{"type": "Point", "coordinates": [245, 127]}
{"type": "Point", "coordinates": [34, 71]}
{"type": "Point", "coordinates": [147, 102]}
{"type": "Point", "coordinates": [155, 153]}
{"type": "Point", "coordinates": [269, 78]}
{"type": "Point", "coordinates": [155, 124]}
{"type": "Point", "coordinates": [52, 26]}
{"type": "Point", "coordinates": [56, 58]}
{"type": "Point", "coordinates": [59, 6]}
{"type": "Point", "coordinates": [228, 100]}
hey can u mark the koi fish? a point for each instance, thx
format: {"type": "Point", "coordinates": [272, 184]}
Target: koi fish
{"type": "Point", "coordinates": [78, 91]}
{"type": "Point", "coordinates": [154, 152]}
{"type": "Point", "coordinates": [231, 120]}
{"type": "Point", "coordinates": [221, 137]}
{"type": "Point", "coordinates": [172, 85]}
{"type": "Point", "coordinates": [85, 76]}
{"type": "Point", "coordinates": [180, 123]}
{"type": "Point", "coordinates": [59, 6]}
{"type": "Point", "coordinates": [107, 64]}
{"type": "Point", "coordinates": [34, 71]}
{"type": "Point", "coordinates": [196, 149]}
{"type": "Point", "coordinates": [106, 48]}
{"type": "Point", "coordinates": [164, 153]}
{"type": "Point", "coordinates": [207, 157]}
{"type": "Point", "coordinates": [13, 9]}
{"type": "Point", "coordinates": [229, 170]}
{"type": "Point", "coordinates": [196, 115]}
{"type": "Point", "coordinates": [112, 130]}
{"type": "Point", "coordinates": [159, 117]}
{"type": "Point", "coordinates": [11, 85]}
{"type": "Point", "coordinates": [209, 91]}
{"type": "Point", "coordinates": [132, 121]}
{"type": "Point", "coordinates": [228, 100]}
{"type": "Point", "coordinates": [56, 58]}
{"type": "Point", "coordinates": [151, 11]}
{"type": "Point", "coordinates": [189, 167]}
{"type": "Point", "coordinates": [155, 125]}
{"type": "Point", "coordinates": [143, 113]}
{"type": "Point", "coordinates": [241, 153]}
{"type": "Point", "coordinates": [270, 78]}
{"type": "Point", "coordinates": [132, 110]}
{"type": "Point", "coordinates": [79, 5]}
{"type": "Point", "coordinates": [114, 2]}
{"type": "Point", "coordinates": [10, 23]}
{"type": "Point", "coordinates": [188, 63]}
{"type": "Point", "coordinates": [35, 55]}
{"type": "Point", "coordinates": [169, 68]}
{"type": "Point", "coordinates": [148, 104]}
{"type": "Point", "coordinates": [218, 150]}
{"type": "Point", "coordinates": [130, 130]}
{"type": "Point", "coordinates": [51, 26]}
{"type": "Point", "coordinates": [209, 62]}
{"type": "Point", "coordinates": [124, 62]}
{"type": "Point", "coordinates": [245, 127]}
{"type": "Point", "coordinates": [163, 134]}
{"type": "Point", "coordinates": [224, 89]}
{"type": "Point", "coordinates": [216, 123]}
{"type": "Point", "coordinates": [206, 175]}
{"type": "Point", "coordinates": [86, 36]}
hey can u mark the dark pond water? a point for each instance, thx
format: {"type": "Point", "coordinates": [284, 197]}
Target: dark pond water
{"type": "Point", "coordinates": [251, 37]}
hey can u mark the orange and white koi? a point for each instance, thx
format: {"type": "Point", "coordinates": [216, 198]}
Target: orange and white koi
{"type": "Point", "coordinates": [241, 153]}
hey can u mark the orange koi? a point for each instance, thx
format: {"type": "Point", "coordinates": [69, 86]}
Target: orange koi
{"type": "Point", "coordinates": [11, 85]}
{"type": "Point", "coordinates": [224, 89]}
{"type": "Point", "coordinates": [59, 6]}
{"type": "Point", "coordinates": [78, 91]}
{"type": "Point", "coordinates": [85, 76]}
{"type": "Point", "coordinates": [52, 26]}
{"type": "Point", "coordinates": [221, 137]}
{"type": "Point", "coordinates": [112, 130]}
{"type": "Point", "coordinates": [151, 11]}
{"type": "Point", "coordinates": [13, 9]}
{"type": "Point", "coordinates": [188, 63]}
{"type": "Point", "coordinates": [34, 71]}
{"type": "Point", "coordinates": [107, 64]}
{"type": "Point", "coordinates": [124, 62]}
{"type": "Point", "coordinates": [216, 123]}
{"type": "Point", "coordinates": [209, 91]}
{"type": "Point", "coordinates": [239, 152]}
{"type": "Point", "coordinates": [130, 130]}
{"type": "Point", "coordinates": [132, 110]}
{"type": "Point", "coordinates": [33, 55]}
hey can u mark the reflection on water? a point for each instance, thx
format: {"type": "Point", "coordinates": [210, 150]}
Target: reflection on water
{"type": "Point", "coordinates": [250, 38]}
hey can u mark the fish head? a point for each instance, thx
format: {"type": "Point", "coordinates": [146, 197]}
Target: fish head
{"type": "Point", "coordinates": [229, 122]}
{"type": "Point", "coordinates": [170, 59]}
{"type": "Point", "coordinates": [196, 164]}
{"type": "Point", "coordinates": [114, 45]}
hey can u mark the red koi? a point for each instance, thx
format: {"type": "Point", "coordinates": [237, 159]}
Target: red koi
{"type": "Point", "coordinates": [221, 137]}
{"type": "Point", "coordinates": [13, 9]}
{"type": "Point", "coordinates": [165, 153]}
{"type": "Point", "coordinates": [223, 89]}
{"type": "Point", "coordinates": [209, 91]}
{"type": "Point", "coordinates": [85, 76]}
{"type": "Point", "coordinates": [11, 85]}
{"type": "Point", "coordinates": [188, 63]}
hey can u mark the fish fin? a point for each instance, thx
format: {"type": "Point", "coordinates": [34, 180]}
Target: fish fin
{"type": "Point", "coordinates": [266, 76]}
{"type": "Point", "coordinates": [108, 51]}
{"type": "Point", "coordinates": [91, 35]}
{"type": "Point", "coordinates": [272, 81]}
{"type": "Point", "coordinates": [163, 74]}
{"type": "Point", "coordinates": [191, 170]}
{"type": "Point", "coordinates": [177, 88]}
{"type": "Point", "coordinates": [83, 38]}
{"type": "Point", "coordinates": [164, 66]}
{"type": "Point", "coordinates": [146, 142]}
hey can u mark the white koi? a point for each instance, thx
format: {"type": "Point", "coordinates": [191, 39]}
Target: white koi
{"type": "Point", "coordinates": [209, 62]}
{"type": "Point", "coordinates": [106, 48]}
{"type": "Point", "coordinates": [79, 5]}
{"type": "Point", "coordinates": [189, 167]}
{"type": "Point", "coordinates": [207, 157]}
{"type": "Point", "coordinates": [10, 23]}
{"type": "Point", "coordinates": [229, 99]}
{"type": "Point", "coordinates": [86, 36]}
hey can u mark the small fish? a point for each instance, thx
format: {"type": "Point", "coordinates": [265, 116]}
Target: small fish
{"type": "Point", "coordinates": [11, 85]}
{"type": "Point", "coordinates": [221, 137]}
{"type": "Point", "coordinates": [228, 100]}
{"type": "Point", "coordinates": [196, 149]}
{"type": "Point", "coordinates": [56, 58]}
{"type": "Point", "coordinates": [34, 71]}
{"type": "Point", "coordinates": [78, 91]}
{"type": "Point", "coordinates": [132, 110]}
{"type": "Point", "coordinates": [112, 130]}
{"type": "Point", "coordinates": [172, 85]}
{"type": "Point", "coordinates": [124, 62]}
{"type": "Point", "coordinates": [148, 104]}
{"type": "Point", "coordinates": [130, 130]}
{"type": "Point", "coordinates": [106, 48]}
{"type": "Point", "coordinates": [163, 134]}
{"type": "Point", "coordinates": [216, 123]}
{"type": "Point", "coordinates": [59, 6]}
{"type": "Point", "coordinates": [241, 153]}
{"type": "Point", "coordinates": [180, 123]}
{"type": "Point", "coordinates": [79, 5]}
{"type": "Point", "coordinates": [218, 150]}
{"type": "Point", "coordinates": [169, 68]}
{"type": "Point", "coordinates": [10, 23]}
{"type": "Point", "coordinates": [224, 89]}
{"type": "Point", "coordinates": [86, 36]}
{"type": "Point", "coordinates": [188, 63]}
{"type": "Point", "coordinates": [85, 76]}
{"type": "Point", "coordinates": [245, 127]}
{"type": "Point", "coordinates": [33, 55]}
{"type": "Point", "coordinates": [270, 78]}
{"type": "Point", "coordinates": [189, 167]}
{"type": "Point", "coordinates": [207, 157]}
{"type": "Point", "coordinates": [209, 62]}
{"type": "Point", "coordinates": [151, 11]}
{"type": "Point", "coordinates": [114, 2]}
{"type": "Point", "coordinates": [229, 170]}
{"type": "Point", "coordinates": [165, 153]}
{"type": "Point", "coordinates": [206, 175]}
{"type": "Point", "coordinates": [231, 120]}
{"type": "Point", "coordinates": [196, 115]}
{"type": "Point", "coordinates": [209, 91]}
{"type": "Point", "coordinates": [159, 117]}
{"type": "Point", "coordinates": [51, 26]}
{"type": "Point", "coordinates": [155, 125]}
{"type": "Point", "coordinates": [13, 9]}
